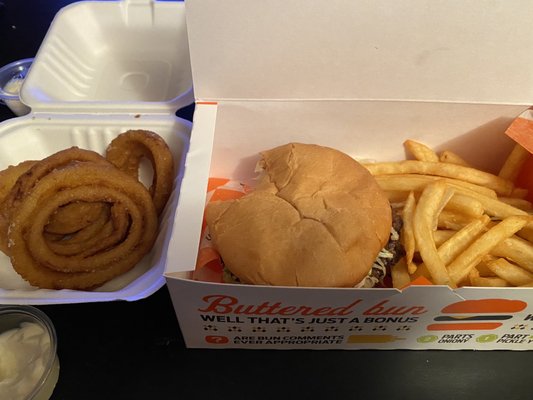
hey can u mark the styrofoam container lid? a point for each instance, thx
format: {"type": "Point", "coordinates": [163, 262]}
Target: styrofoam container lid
{"type": "Point", "coordinates": [127, 56]}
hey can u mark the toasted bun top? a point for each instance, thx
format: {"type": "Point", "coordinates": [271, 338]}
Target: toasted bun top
{"type": "Point", "coordinates": [317, 218]}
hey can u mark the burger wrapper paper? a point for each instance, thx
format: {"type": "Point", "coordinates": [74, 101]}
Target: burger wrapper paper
{"type": "Point", "coordinates": [521, 130]}
{"type": "Point", "coordinates": [209, 267]}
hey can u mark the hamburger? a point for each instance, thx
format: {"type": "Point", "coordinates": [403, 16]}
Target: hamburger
{"type": "Point", "coordinates": [317, 218]}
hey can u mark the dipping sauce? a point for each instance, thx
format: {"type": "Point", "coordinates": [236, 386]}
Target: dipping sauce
{"type": "Point", "coordinates": [12, 77]}
{"type": "Point", "coordinates": [13, 86]}
{"type": "Point", "coordinates": [29, 367]}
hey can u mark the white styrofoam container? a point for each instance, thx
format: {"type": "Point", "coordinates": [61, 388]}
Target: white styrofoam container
{"type": "Point", "coordinates": [104, 67]}
{"type": "Point", "coordinates": [361, 76]}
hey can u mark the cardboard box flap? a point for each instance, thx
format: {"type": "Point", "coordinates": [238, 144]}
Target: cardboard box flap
{"type": "Point", "coordinates": [419, 50]}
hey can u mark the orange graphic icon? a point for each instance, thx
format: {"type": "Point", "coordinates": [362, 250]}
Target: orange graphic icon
{"type": "Point", "coordinates": [485, 306]}
{"type": "Point", "coordinates": [469, 315]}
{"type": "Point", "coordinates": [216, 339]}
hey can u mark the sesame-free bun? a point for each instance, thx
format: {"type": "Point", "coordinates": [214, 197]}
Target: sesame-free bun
{"type": "Point", "coordinates": [317, 218]}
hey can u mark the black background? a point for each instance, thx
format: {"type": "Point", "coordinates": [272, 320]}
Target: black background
{"type": "Point", "coordinates": [134, 350]}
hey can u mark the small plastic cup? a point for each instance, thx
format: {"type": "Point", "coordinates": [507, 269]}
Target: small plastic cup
{"type": "Point", "coordinates": [37, 386]}
{"type": "Point", "coordinates": [12, 76]}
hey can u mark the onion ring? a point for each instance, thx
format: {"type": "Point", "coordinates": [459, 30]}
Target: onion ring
{"type": "Point", "coordinates": [82, 235]}
{"type": "Point", "coordinates": [90, 182]}
{"type": "Point", "coordinates": [74, 217]}
{"type": "Point", "coordinates": [28, 179]}
{"type": "Point", "coordinates": [128, 149]}
{"type": "Point", "coordinates": [8, 178]}
{"type": "Point", "coordinates": [99, 236]}
{"type": "Point", "coordinates": [42, 253]}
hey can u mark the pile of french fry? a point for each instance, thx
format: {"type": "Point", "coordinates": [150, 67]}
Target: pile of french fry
{"type": "Point", "coordinates": [461, 226]}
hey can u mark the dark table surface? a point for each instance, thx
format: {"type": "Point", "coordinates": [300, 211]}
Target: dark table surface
{"type": "Point", "coordinates": [134, 350]}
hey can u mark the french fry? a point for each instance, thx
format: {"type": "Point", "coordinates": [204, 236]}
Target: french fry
{"type": "Point", "coordinates": [482, 266]}
{"type": "Point", "coordinates": [445, 199]}
{"type": "Point", "coordinates": [512, 165]}
{"type": "Point", "coordinates": [396, 196]}
{"type": "Point", "coordinates": [429, 206]}
{"type": "Point", "coordinates": [472, 276]}
{"type": "Point", "coordinates": [408, 235]}
{"type": "Point", "coordinates": [454, 221]}
{"type": "Point", "coordinates": [526, 233]}
{"type": "Point", "coordinates": [459, 242]}
{"type": "Point", "coordinates": [459, 203]}
{"type": "Point", "coordinates": [417, 183]}
{"type": "Point", "coordinates": [421, 270]}
{"type": "Point", "coordinates": [421, 151]}
{"type": "Point", "coordinates": [441, 235]}
{"type": "Point", "coordinates": [462, 186]}
{"type": "Point", "coordinates": [499, 209]}
{"type": "Point", "coordinates": [516, 202]}
{"type": "Point", "coordinates": [494, 206]}
{"type": "Point", "coordinates": [461, 266]}
{"type": "Point", "coordinates": [501, 186]}
{"type": "Point", "coordinates": [513, 274]}
{"type": "Point", "coordinates": [466, 205]}
{"type": "Point", "coordinates": [400, 275]}
{"type": "Point", "coordinates": [519, 193]}
{"type": "Point", "coordinates": [517, 250]}
{"type": "Point", "coordinates": [455, 242]}
{"type": "Point", "coordinates": [482, 281]}
{"type": "Point", "coordinates": [450, 157]}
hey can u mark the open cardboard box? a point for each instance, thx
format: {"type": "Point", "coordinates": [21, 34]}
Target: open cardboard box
{"type": "Point", "coordinates": [361, 77]}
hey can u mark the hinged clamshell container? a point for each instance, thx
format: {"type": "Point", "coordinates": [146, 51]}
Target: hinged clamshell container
{"type": "Point", "coordinates": [104, 67]}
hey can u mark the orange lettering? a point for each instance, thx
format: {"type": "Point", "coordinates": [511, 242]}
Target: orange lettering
{"type": "Point", "coordinates": [379, 309]}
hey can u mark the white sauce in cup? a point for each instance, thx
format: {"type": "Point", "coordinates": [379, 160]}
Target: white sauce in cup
{"type": "Point", "coordinates": [24, 356]}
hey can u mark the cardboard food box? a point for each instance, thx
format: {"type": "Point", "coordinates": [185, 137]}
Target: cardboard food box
{"type": "Point", "coordinates": [104, 67]}
{"type": "Point", "coordinates": [361, 77]}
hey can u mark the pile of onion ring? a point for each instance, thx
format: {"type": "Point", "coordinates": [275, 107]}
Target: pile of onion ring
{"type": "Point", "coordinates": [76, 219]}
